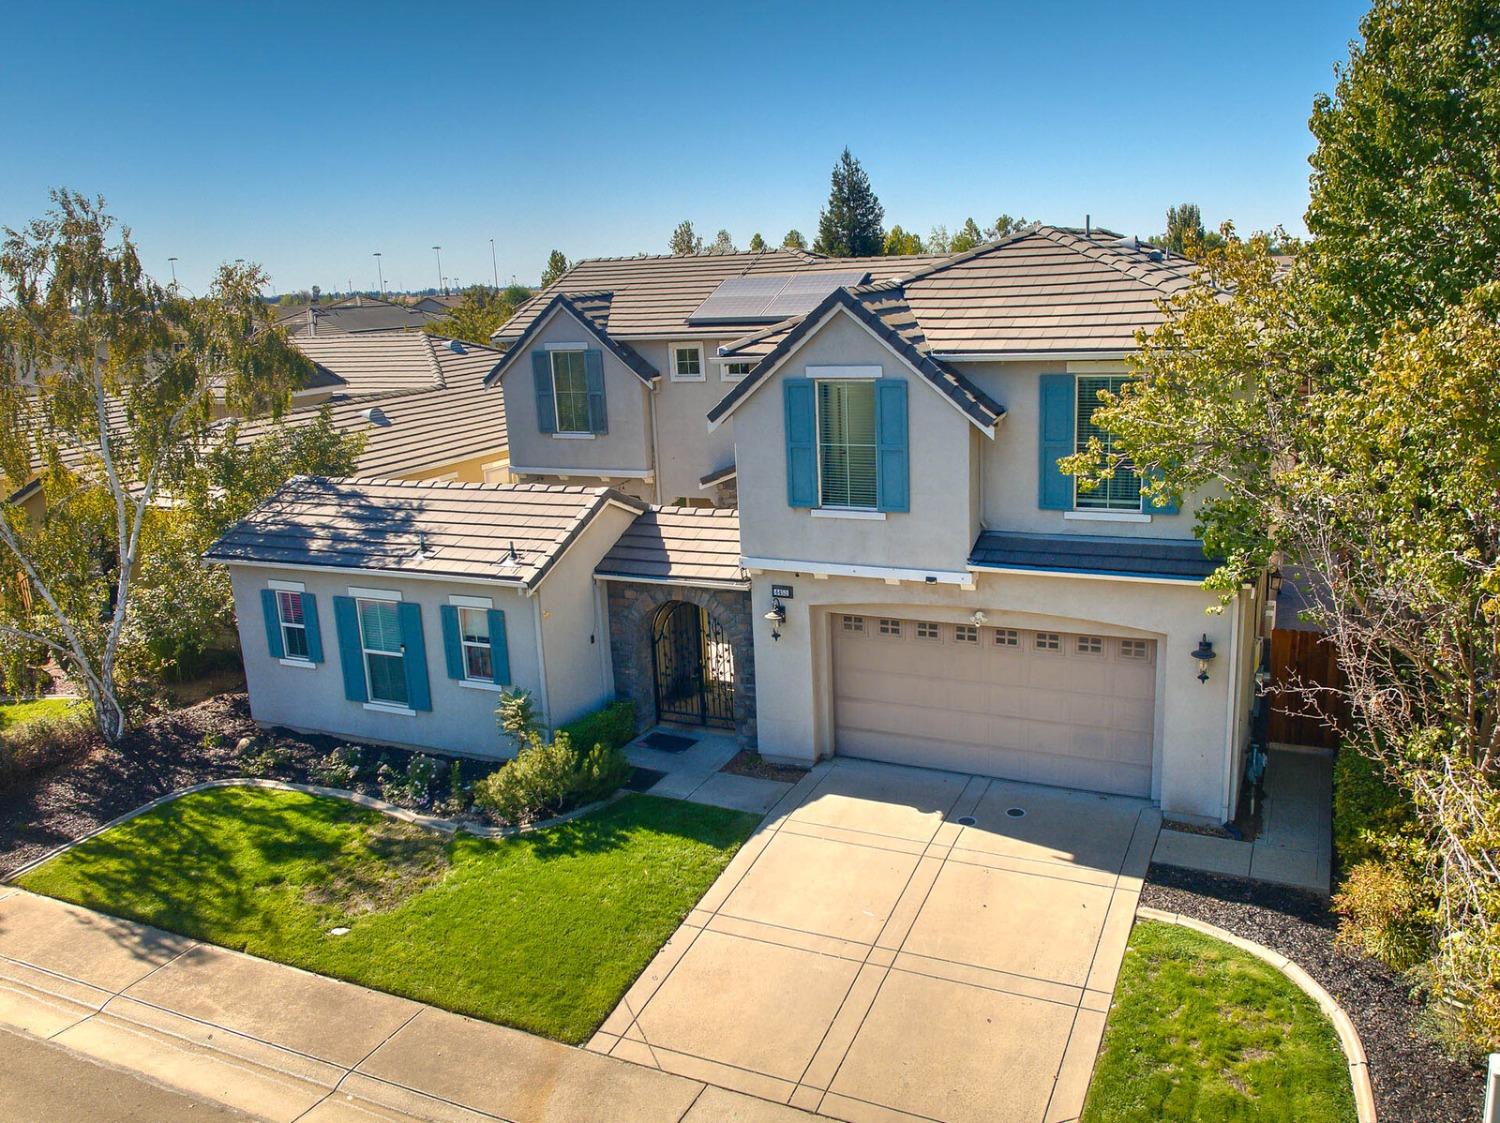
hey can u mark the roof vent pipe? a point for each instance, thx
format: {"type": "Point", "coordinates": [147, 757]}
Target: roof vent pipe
{"type": "Point", "coordinates": [1088, 226]}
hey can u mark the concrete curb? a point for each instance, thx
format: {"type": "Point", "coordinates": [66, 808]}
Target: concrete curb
{"type": "Point", "coordinates": [430, 822]}
{"type": "Point", "coordinates": [1354, 1050]}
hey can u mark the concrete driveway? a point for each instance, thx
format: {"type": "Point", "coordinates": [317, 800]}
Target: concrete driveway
{"type": "Point", "coordinates": [900, 944]}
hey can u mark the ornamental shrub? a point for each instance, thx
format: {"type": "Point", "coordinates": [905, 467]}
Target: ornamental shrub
{"type": "Point", "coordinates": [613, 727]}
{"type": "Point", "coordinates": [547, 778]}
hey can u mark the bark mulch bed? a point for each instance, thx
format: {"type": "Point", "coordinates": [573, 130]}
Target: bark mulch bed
{"type": "Point", "coordinates": [748, 762]}
{"type": "Point", "coordinates": [176, 750]}
{"type": "Point", "coordinates": [1414, 1081]}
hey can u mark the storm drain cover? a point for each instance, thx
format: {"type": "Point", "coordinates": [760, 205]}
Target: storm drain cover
{"type": "Point", "coordinates": [1014, 812]}
{"type": "Point", "coordinates": [966, 820]}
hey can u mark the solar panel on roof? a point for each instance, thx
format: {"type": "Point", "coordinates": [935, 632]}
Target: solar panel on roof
{"type": "Point", "coordinates": [769, 297]}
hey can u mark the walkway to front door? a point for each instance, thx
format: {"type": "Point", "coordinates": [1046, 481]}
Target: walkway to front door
{"type": "Point", "coordinates": [902, 944]}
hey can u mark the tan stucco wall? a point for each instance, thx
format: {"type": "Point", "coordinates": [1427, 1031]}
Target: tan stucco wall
{"type": "Point", "coordinates": [1192, 749]}
{"type": "Point", "coordinates": [939, 529]}
{"type": "Point", "coordinates": [686, 449]}
{"type": "Point", "coordinates": [627, 445]}
{"type": "Point", "coordinates": [470, 471]}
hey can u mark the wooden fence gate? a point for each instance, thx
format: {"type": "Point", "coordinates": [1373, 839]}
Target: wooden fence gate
{"type": "Point", "coordinates": [1302, 658]}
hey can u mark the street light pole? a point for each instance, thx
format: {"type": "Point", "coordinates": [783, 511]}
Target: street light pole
{"type": "Point", "coordinates": [379, 272]}
{"type": "Point", "coordinates": [439, 251]}
{"type": "Point", "coordinates": [494, 266]}
{"type": "Point", "coordinates": [172, 261]}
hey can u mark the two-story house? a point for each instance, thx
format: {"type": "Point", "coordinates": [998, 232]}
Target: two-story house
{"type": "Point", "coordinates": [844, 526]}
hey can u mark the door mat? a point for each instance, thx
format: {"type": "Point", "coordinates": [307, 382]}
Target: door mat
{"type": "Point", "coordinates": [667, 742]}
{"type": "Point", "coordinates": [641, 779]}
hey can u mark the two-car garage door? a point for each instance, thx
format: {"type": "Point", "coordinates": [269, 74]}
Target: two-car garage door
{"type": "Point", "coordinates": [1064, 708]}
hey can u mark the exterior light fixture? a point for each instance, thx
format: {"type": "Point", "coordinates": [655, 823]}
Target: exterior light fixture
{"type": "Point", "coordinates": [978, 619]}
{"type": "Point", "coordinates": [1205, 655]}
{"type": "Point", "coordinates": [777, 616]}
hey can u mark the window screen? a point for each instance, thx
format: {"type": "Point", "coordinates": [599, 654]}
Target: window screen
{"type": "Point", "coordinates": [1122, 492]}
{"type": "Point", "coordinates": [846, 444]}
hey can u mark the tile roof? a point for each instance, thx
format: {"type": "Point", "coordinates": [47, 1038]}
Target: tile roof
{"type": "Point", "coordinates": [354, 316]}
{"type": "Point", "coordinates": [1156, 558]}
{"type": "Point", "coordinates": [507, 534]}
{"type": "Point", "coordinates": [886, 314]}
{"type": "Point", "coordinates": [424, 428]}
{"type": "Point", "coordinates": [1045, 289]}
{"type": "Point", "coordinates": [681, 546]}
{"type": "Point", "coordinates": [592, 311]}
{"type": "Point", "coordinates": [653, 297]}
{"type": "Point", "coordinates": [381, 362]}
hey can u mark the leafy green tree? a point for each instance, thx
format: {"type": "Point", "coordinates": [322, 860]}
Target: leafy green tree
{"type": "Point", "coordinates": [123, 376]}
{"type": "Point", "coordinates": [479, 314]}
{"type": "Point", "coordinates": [1344, 414]}
{"type": "Point", "coordinates": [1004, 226]}
{"type": "Point", "coordinates": [899, 242]}
{"type": "Point", "coordinates": [757, 243]}
{"type": "Point", "coordinates": [939, 240]}
{"type": "Point", "coordinates": [851, 225]}
{"type": "Point", "coordinates": [684, 242]}
{"type": "Point", "coordinates": [557, 265]}
{"type": "Point", "coordinates": [1405, 210]}
{"type": "Point", "coordinates": [794, 240]}
{"type": "Point", "coordinates": [723, 243]}
{"type": "Point", "coordinates": [968, 236]}
{"type": "Point", "coordinates": [1185, 234]}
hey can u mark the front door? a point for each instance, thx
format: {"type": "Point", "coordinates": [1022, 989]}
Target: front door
{"type": "Point", "coordinates": [694, 666]}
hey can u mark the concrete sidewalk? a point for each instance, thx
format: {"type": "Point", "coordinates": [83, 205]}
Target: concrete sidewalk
{"type": "Point", "coordinates": [284, 1045]}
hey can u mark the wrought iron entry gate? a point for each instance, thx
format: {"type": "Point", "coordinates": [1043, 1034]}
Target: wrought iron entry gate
{"type": "Point", "coordinates": [694, 666]}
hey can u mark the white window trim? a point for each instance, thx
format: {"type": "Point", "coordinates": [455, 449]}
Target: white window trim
{"type": "Point", "coordinates": [365, 652]}
{"type": "Point", "coordinates": [1095, 514]}
{"type": "Point", "coordinates": [565, 346]}
{"type": "Point", "coordinates": [390, 708]}
{"type": "Point", "coordinates": [481, 684]}
{"type": "Point", "coordinates": [846, 512]}
{"type": "Point", "coordinates": [458, 601]}
{"type": "Point", "coordinates": [686, 345]}
{"type": "Point", "coordinates": [283, 623]}
{"type": "Point", "coordinates": [464, 645]}
{"type": "Point", "coordinates": [845, 372]}
{"type": "Point", "coordinates": [1106, 516]}
{"type": "Point", "coordinates": [305, 664]}
{"type": "Point", "coordinates": [820, 511]}
{"type": "Point", "coordinates": [725, 364]}
{"type": "Point", "coordinates": [374, 594]}
{"type": "Point", "coordinates": [558, 432]}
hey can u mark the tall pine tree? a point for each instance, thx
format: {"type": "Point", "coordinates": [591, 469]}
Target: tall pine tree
{"type": "Point", "coordinates": [852, 225]}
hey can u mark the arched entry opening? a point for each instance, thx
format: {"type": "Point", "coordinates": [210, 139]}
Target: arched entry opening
{"type": "Point", "coordinates": [694, 665]}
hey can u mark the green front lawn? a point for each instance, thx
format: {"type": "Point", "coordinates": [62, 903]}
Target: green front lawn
{"type": "Point", "coordinates": [1200, 1030]}
{"type": "Point", "coordinates": [544, 931]}
{"type": "Point", "coordinates": [13, 714]}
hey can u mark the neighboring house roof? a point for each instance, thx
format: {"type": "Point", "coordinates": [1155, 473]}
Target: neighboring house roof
{"type": "Point", "coordinates": [418, 529]}
{"type": "Point", "coordinates": [885, 314]}
{"type": "Point", "coordinates": [439, 304]}
{"type": "Point", "coordinates": [1150, 558]}
{"type": "Point", "coordinates": [380, 363]}
{"type": "Point", "coordinates": [654, 296]}
{"type": "Point", "coordinates": [355, 316]}
{"type": "Point", "coordinates": [719, 475]}
{"type": "Point", "coordinates": [679, 546]}
{"type": "Point", "coordinates": [419, 429]}
{"type": "Point", "coordinates": [591, 310]}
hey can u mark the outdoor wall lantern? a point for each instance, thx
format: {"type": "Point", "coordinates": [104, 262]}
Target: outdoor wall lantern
{"type": "Point", "coordinates": [777, 617]}
{"type": "Point", "coordinates": [979, 618]}
{"type": "Point", "coordinates": [1205, 655]}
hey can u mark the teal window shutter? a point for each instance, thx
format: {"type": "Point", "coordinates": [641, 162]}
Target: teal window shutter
{"type": "Point", "coordinates": [351, 653]}
{"type": "Point", "coordinates": [414, 656]}
{"type": "Point", "coordinates": [593, 377]}
{"type": "Point", "coordinates": [310, 625]}
{"type": "Point", "coordinates": [499, 649]}
{"type": "Point", "coordinates": [546, 407]}
{"type": "Point", "coordinates": [1054, 441]}
{"type": "Point", "coordinates": [273, 623]}
{"type": "Point", "coordinates": [892, 486]}
{"type": "Point", "coordinates": [453, 650]}
{"type": "Point", "coordinates": [801, 451]}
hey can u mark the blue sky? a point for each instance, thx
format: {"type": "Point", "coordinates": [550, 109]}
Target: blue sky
{"type": "Point", "coordinates": [307, 136]}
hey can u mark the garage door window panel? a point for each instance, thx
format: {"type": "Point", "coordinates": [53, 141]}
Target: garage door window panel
{"type": "Point", "coordinates": [890, 629]}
